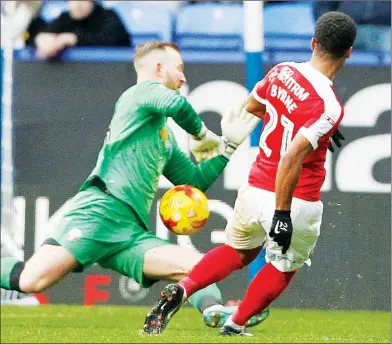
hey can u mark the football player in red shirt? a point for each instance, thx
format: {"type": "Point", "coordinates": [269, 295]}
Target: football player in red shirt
{"type": "Point", "coordinates": [280, 207]}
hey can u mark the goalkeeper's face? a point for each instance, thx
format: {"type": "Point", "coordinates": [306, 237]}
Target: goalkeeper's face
{"type": "Point", "coordinates": [172, 70]}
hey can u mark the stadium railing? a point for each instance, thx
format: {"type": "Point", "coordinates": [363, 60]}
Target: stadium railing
{"type": "Point", "coordinates": [271, 56]}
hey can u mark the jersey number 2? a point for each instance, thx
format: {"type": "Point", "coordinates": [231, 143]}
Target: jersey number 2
{"type": "Point", "coordinates": [271, 126]}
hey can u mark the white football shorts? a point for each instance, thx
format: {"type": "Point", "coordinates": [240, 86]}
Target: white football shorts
{"type": "Point", "coordinates": [251, 223]}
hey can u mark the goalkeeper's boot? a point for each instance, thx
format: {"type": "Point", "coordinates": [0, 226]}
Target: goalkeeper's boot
{"type": "Point", "coordinates": [172, 297]}
{"type": "Point", "coordinates": [216, 316]}
{"type": "Point", "coordinates": [227, 330]}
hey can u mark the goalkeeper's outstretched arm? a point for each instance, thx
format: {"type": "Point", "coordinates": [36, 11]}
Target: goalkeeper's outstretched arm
{"type": "Point", "coordinates": [181, 170]}
{"type": "Point", "coordinates": [172, 104]}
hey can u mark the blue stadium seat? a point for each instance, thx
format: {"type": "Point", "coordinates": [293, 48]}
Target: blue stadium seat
{"type": "Point", "coordinates": [144, 22]}
{"type": "Point", "coordinates": [364, 58]}
{"type": "Point", "coordinates": [386, 59]}
{"type": "Point", "coordinates": [288, 26]}
{"type": "Point", "coordinates": [52, 9]}
{"type": "Point", "coordinates": [210, 26]}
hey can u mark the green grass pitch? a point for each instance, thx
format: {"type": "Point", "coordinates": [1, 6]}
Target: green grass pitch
{"type": "Point", "coordinates": [120, 324]}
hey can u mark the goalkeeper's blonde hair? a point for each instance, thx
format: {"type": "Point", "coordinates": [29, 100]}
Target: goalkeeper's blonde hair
{"type": "Point", "coordinates": [142, 50]}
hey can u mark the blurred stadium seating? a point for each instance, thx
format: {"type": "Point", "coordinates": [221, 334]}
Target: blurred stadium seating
{"type": "Point", "coordinates": [218, 27]}
{"type": "Point", "coordinates": [210, 26]}
{"type": "Point", "coordinates": [288, 26]}
{"type": "Point", "coordinates": [143, 21]}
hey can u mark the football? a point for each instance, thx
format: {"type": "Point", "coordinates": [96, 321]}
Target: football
{"type": "Point", "coordinates": [184, 209]}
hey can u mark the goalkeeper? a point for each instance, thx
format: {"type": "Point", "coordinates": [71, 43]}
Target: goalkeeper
{"type": "Point", "coordinates": [108, 220]}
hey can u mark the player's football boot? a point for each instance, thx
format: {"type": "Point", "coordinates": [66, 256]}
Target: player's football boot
{"type": "Point", "coordinates": [227, 330]}
{"type": "Point", "coordinates": [258, 318]}
{"type": "Point", "coordinates": [216, 316]}
{"type": "Point", "coordinates": [171, 299]}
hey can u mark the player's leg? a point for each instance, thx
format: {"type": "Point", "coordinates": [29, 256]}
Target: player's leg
{"type": "Point", "coordinates": [172, 263]}
{"type": "Point", "coordinates": [276, 275]}
{"type": "Point", "coordinates": [244, 239]}
{"type": "Point", "coordinates": [46, 267]}
{"type": "Point", "coordinates": [245, 236]}
{"type": "Point", "coordinates": [149, 259]}
{"type": "Point", "coordinates": [70, 248]}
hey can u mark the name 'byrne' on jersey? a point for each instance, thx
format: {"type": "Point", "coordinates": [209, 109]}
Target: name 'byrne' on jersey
{"type": "Point", "coordinates": [291, 87]}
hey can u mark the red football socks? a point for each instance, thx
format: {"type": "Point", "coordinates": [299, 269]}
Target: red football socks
{"type": "Point", "coordinates": [266, 286]}
{"type": "Point", "coordinates": [216, 265]}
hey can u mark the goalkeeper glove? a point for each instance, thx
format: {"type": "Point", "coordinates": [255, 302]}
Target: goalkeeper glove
{"type": "Point", "coordinates": [282, 229]}
{"type": "Point", "coordinates": [204, 145]}
{"type": "Point", "coordinates": [236, 124]}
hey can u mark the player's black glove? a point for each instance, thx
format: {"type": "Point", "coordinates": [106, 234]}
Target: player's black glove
{"type": "Point", "coordinates": [337, 137]}
{"type": "Point", "coordinates": [282, 229]}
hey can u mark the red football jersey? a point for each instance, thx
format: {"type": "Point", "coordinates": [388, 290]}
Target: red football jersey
{"type": "Point", "coordinates": [298, 98]}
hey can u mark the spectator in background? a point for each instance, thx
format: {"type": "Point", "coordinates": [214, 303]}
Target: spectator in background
{"type": "Point", "coordinates": [373, 19]}
{"type": "Point", "coordinates": [85, 24]}
{"type": "Point", "coordinates": [277, 2]}
{"type": "Point", "coordinates": [36, 26]}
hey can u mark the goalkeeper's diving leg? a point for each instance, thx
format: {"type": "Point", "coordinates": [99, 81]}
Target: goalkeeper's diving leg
{"type": "Point", "coordinates": [45, 268]}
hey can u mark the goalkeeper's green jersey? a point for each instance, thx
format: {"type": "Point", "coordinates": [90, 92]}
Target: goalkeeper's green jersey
{"type": "Point", "coordinates": [139, 147]}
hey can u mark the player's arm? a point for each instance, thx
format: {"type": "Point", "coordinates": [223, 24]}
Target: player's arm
{"type": "Point", "coordinates": [254, 107]}
{"type": "Point", "coordinates": [238, 122]}
{"type": "Point", "coordinates": [336, 138]}
{"type": "Point", "coordinates": [181, 170]}
{"type": "Point", "coordinates": [236, 126]}
{"type": "Point", "coordinates": [287, 176]}
{"type": "Point", "coordinates": [172, 104]}
{"type": "Point", "coordinates": [257, 100]}
{"type": "Point", "coordinates": [289, 169]}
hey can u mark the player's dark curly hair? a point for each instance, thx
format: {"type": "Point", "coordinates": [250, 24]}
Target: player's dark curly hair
{"type": "Point", "coordinates": [335, 33]}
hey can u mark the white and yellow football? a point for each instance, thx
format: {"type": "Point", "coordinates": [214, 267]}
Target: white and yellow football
{"type": "Point", "coordinates": [184, 209]}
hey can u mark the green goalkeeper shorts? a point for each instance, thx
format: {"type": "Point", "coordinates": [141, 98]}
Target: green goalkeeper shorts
{"type": "Point", "coordinates": [99, 228]}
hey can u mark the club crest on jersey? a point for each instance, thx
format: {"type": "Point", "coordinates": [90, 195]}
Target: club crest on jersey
{"type": "Point", "coordinates": [74, 234]}
{"type": "Point", "coordinates": [163, 133]}
{"type": "Point", "coordinates": [285, 74]}
{"type": "Point", "coordinates": [165, 137]}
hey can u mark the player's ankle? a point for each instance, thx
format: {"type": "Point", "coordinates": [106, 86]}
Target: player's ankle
{"type": "Point", "coordinates": [10, 275]}
{"type": "Point", "coordinates": [231, 323]}
{"type": "Point", "coordinates": [190, 287]}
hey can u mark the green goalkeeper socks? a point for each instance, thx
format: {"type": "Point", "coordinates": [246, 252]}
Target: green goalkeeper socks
{"type": "Point", "coordinates": [11, 268]}
{"type": "Point", "coordinates": [206, 297]}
